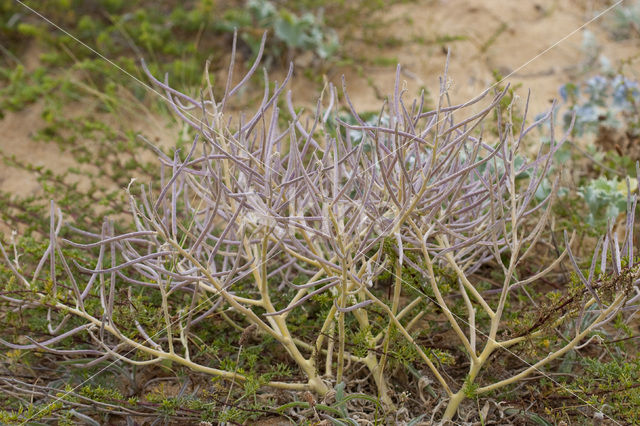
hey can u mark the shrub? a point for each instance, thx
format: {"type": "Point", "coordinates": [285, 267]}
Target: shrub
{"type": "Point", "coordinates": [283, 228]}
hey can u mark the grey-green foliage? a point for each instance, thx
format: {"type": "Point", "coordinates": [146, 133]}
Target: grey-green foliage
{"type": "Point", "coordinates": [598, 104]}
{"type": "Point", "coordinates": [304, 32]}
{"type": "Point", "coordinates": [606, 198]}
{"type": "Point", "coordinates": [338, 412]}
{"type": "Point", "coordinates": [624, 21]}
{"type": "Point", "coordinates": [610, 101]}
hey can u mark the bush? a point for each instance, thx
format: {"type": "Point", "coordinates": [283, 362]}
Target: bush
{"type": "Point", "coordinates": [280, 232]}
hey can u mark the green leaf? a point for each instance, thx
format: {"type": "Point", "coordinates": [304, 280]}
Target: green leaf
{"type": "Point", "coordinates": [288, 28]}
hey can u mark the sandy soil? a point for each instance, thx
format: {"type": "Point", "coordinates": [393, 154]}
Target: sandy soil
{"type": "Point", "coordinates": [526, 41]}
{"type": "Point", "coordinates": [18, 131]}
{"type": "Point", "coordinates": [511, 37]}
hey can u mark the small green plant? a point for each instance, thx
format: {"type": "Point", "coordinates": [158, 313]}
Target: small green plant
{"type": "Point", "coordinates": [611, 384]}
{"type": "Point", "coordinates": [605, 107]}
{"type": "Point", "coordinates": [303, 33]}
{"type": "Point", "coordinates": [606, 198]}
{"type": "Point", "coordinates": [337, 412]}
{"type": "Point", "coordinates": [624, 21]}
{"type": "Point", "coordinates": [602, 102]}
